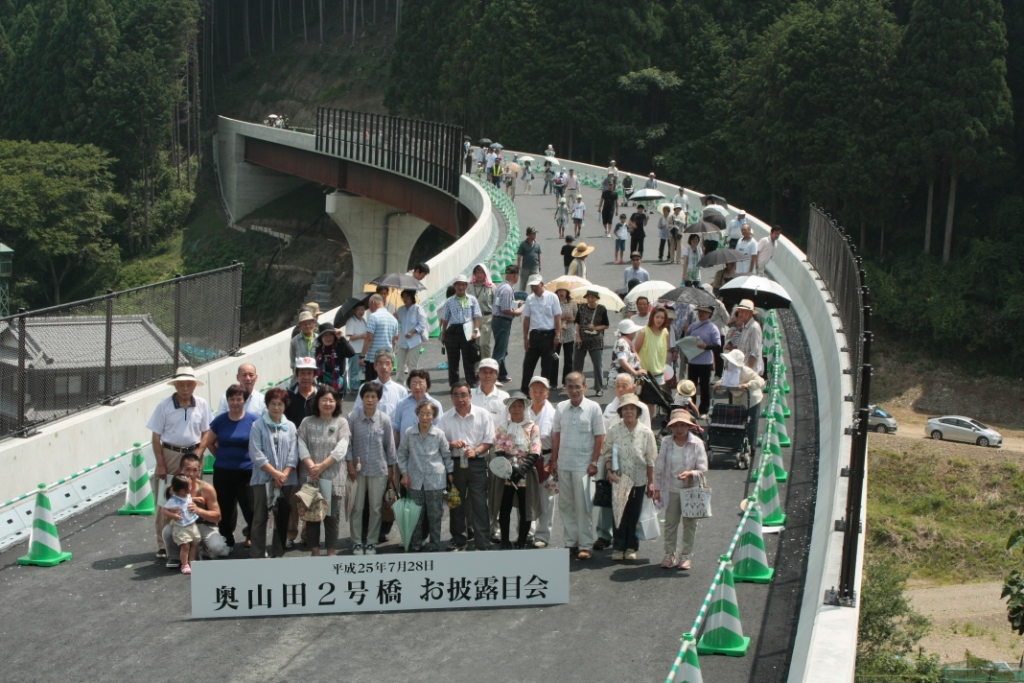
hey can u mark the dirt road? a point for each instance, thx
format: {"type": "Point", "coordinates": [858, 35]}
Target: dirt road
{"type": "Point", "coordinates": [912, 426]}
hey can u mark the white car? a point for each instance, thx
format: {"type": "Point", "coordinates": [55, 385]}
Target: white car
{"type": "Point", "coordinates": [960, 428]}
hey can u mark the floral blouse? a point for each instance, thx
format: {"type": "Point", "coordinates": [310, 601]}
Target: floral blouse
{"type": "Point", "coordinates": [505, 442]}
{"type": "Point", "coordinates": [638, 450]}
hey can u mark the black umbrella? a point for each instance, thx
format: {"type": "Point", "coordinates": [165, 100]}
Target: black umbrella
{"type": "Point", "coordinates": [720, 201]}
{"type": "Point", "coordinates": [689, 295]}
{"type": "Point", "coordinates": [763, 292]}
{"type": "Point", "coordinates": [701, 227]}
{"type": "Point", "coordinates": [714, 218]}
{"type": "Point", "coordinates": [398, 281]}
{"type": "Point", "coordinates": [346, 309]}
{"type": "Point", "coordinates": [497, 145]}
{"type": "Point", "coordinates": [484, 141]}
{"type": "Point", "coordinates": [722, 256]}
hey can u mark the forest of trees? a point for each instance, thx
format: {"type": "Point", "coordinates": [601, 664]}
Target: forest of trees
{"type": "Point", "coordinates": [901, 118]}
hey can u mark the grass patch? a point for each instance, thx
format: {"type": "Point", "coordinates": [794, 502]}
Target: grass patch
{"type": "Point", "coordinates": [160, 264]}
{"type": "Point", "coordinates": [946, 518]}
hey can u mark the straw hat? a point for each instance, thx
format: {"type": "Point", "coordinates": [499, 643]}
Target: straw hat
{"type": "Point", "coordinates": [681, 417]}
{"type": "Point", "coordinates": [185, 374]}
{"type": "Point", "coordinates": [686, 388]}
{"type": "Point", "coordinates": [628, 400]}
{"type": "Point", "coordinates": [582, 250]}
{"type": "Point", "coordinates": [746, 305]}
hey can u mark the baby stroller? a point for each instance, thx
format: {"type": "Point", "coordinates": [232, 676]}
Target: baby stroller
{"type": "Point", "coordinates": [653, 393]}
{"type": "Point", "coordinates": [627, 189]}
{"type": "Point", "coordinates": [727, 434]}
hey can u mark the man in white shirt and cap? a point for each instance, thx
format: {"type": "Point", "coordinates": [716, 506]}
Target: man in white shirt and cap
{"type": "Point", "coordinates": [488, 396]}
{"type": "Point", "coordinates": [542, 328]}
{"type": "Point", "coordinates": [178, 425]}
{"type": "Point", "coordinates": [735, 228]}
{"type": "Point", "coordinates": [747, 246]}
{"type": "Point", "coordinates": [542, 414]}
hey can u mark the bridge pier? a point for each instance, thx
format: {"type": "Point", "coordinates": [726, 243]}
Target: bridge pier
{"type": "Point", "coordinates": [381, 237]}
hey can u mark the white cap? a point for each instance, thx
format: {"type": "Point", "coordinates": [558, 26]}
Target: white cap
{"type": "Point", "coordinates": [461, 278]}
{"type": "Point", "coordinates": [535, 279]}
{"type": "Point", "coordinates": [542, 380]}
{"type": "Point", "coordinates": [305, 363]}
{"type": "Point", "coordinates": [488, 363]}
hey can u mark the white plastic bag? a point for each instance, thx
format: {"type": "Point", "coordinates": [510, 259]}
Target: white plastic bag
{"type": "Point", "coordinates": [647, 529]}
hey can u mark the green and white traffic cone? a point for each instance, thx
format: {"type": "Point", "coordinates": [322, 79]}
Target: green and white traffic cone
{"type": "Point", "coordinates": [768, 497]}
{"type": "Point", "coordinates": [139, 498]}
{"type": "Point", "coordinates": [780, 428]}
{"type": "Point", "coordinates": [770, 449]}
{"type": "Point", "coordinates": [44, 543]}
{"type": "Point", "coordinates": [750, 561]}
{"type": "Point", "coordinates": [688, 670]}
{"type": "Point", "coordinates": [723, 632]}
{"type": "Point", "coordinates": [786, 412]}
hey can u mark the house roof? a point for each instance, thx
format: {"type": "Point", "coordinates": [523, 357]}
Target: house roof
{"type": "Point", "coordinates": [79, 342]}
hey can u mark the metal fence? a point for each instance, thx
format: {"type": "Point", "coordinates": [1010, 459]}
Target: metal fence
{"type": "Point", "coordinates": [68, 358]}
{"type": "Point", "coordinates": [832, 254]}
{"type": "Point", "coordinates": [422, 150]}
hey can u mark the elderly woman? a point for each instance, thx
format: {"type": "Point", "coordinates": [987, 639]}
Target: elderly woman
{"type": "Point", "coordinates": [591, 322]}
{"type": "Point", "coordinates": [426, 465]}
{"type": "Point", "coordinates": [404, 415]}
{"type": "Point", "coordinates": [681, 459]}
{"type": "Point", "coordinates": [371, 453]}
{"type": "Point", "coordinates": [274, 449]}
{"type": "Point", "coordinates": [568, 338]}
{"type": "Point", "coordinates": [517, 439]}
{"type": "Point", "coordinates": [624, 356]}
{"type": "Point", "coordinates": [628, 456]}
{"type": "Point", "coordinates": [411, 334]}
{"type": "Point", "coordinates": [745, 385]}
{"type": "Point", "coordinates": [228, 442]}
{"type": "Point", "coordinates": [323, 441]}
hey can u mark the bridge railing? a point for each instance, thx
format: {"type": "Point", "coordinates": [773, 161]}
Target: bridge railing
{"type": "Point", "coordinates": [422, 150]}
{"type": "Point", "coordinates": [65, 359]}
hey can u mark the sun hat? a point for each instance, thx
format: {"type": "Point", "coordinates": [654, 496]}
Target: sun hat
{"type": "Point", "coordinates": [706, 309]}
{"type": "Point", "coordinates": [680, 416]}
{"type": "Point", "coordinates": [306, 315]}
{"type": "Point", "coordinates": [314, 307]}
{"type": "Point", "coordinates": [735, 357]}
{"type": "Point", "coordinates": [461, 278]}
{"type": "Point", "coordinates": [516, 396]}
{"type": "Point", "coordinates": [627, 326]}
{"type": "Point", "coordinates": [535, 279]}
{"type": "Point", "coordinates": [745, 305]}
{"type": "Point", "coordinates": [185, 374]}
{"type": "Point", "coordinates": [325, 328]}
{"type": "Point", "coordinates": [582, 250]}
{"type": "Point", "coordinates": [593, 293]}
{"type": "Point", "coordinates": [306, 363]}
{"type": "Point", "coordinates": [686, 388]}
{"type": "Point", "coordinates": [628, 400]}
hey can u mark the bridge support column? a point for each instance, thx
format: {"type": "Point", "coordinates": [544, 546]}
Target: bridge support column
{"type": "Point", "coordinates": [380, 236]}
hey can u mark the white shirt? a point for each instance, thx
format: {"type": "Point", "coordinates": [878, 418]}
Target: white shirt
{"type": "Point", "coordinates": [735, 232]}
{"type": "Point", "coordinates": [393, 393]}
{"type": "Point", "coordinates": [180, 425]}
{"type": "Point", "coordinates": [475, 429]}
{"type": "Point", "coordinates": [354, 327]}
{"type": "Point", "coordinates": [765, 251]}
{"type": "Point", "coordinates": [682, 201]}
{"type": "Point", "coordinates": [493, 403]}
{"type": "Point", "coordinates": [255, 404]}
{"type": "Point", "coordinates": [578, 209]}
{"type": "Point", "coordinates": [545, 423]}
{"type": "Point", "coordinates": [611, 414]}
{"type": "Point", "coordinates": [621, 231]}
{"type": "Point", "coordinates": [542, 310]}
{"type": "Point", "coordinates": [577, 427]}
{"type": "Point", "coordinates": [748, 247]}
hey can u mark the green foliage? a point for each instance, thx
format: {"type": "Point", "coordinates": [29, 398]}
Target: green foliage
{"type": "Point", "coordinates": [889, 629]}
{"type": "Point", "coordinates": [1013, 587]}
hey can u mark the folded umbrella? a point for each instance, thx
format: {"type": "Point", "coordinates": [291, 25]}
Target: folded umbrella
{"type": "Point", "coordinates": [763, 292]}
{"type": "Point", "coordinates": [620, 496]}
{"type": "Point", "coordinates": [407, 516]}
{"type": "Point", "coordinates": [720, 257]}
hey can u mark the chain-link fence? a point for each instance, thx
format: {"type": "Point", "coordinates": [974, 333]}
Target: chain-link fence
{"type": "Point", "coordinates": [429, 152]}
{"type": "Point", "coordinates": [61, 360]}
{"type": "Point", "coordinates": [833, 255]}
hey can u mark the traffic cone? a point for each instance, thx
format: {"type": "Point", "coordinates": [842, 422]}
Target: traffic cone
{"type": "Point", "coordinates": [786, 412]}
{"type": "Point", "coordinates": [139, 498]}
{"type": "Point", "coordinates": [768, 497]}
{"type": "Point", "coordinates": [750, 562]}
{"type": "Point", "coordinates": [770, 449]}
{"type": "Point", "coordinates": [44, 543]}
{"type": "Point", "coordinates": [780, 427]}
{"type": "Point", "coordinates": [688, 670]}
{"type": "Point", "coordinates": [723, 632]}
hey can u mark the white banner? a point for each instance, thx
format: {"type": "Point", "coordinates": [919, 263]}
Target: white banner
{"type": "Point", "coordinates": [323, 585]}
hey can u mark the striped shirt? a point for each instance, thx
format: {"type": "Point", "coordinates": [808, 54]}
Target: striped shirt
{"type": "Point", "coordinates": [372, 444]}
{"type": "Point", "coordinates": [455, 313]}
{"type": "Point", "coordinates": [504, 300]}
{"type": "Point", "coordinates": [383, 326]}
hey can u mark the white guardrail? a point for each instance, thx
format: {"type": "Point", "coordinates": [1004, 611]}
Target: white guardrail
{"type": "Point", "coordinates": [71, 445]}
{"type": "Point", "coordinates": [826, 640]}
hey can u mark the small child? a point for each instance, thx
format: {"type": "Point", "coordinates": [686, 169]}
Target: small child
{"type": "Point", "coordinates": [186, 531]}
{"type": "Point", "coordinates": [567, 253]}
{"type": "Point", "coordinates": [561, 217]}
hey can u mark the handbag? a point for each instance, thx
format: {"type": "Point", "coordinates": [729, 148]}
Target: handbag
{"type": "Point", "coordinates": [695, 502]}
{"type": "Point", "coordinates": [387, 513]}
{"type": "Point", "coordinates": [602, 493]}
{"type": "Point", "coordinates": [310, 504]}
{"type": "Point", "coordinates": [647, 529]}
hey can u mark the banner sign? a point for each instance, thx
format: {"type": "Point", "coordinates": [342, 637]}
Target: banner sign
{"type": "Point", "coordinates": [379, 583]}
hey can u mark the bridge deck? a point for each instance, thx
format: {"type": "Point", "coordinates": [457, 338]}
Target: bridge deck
{"type": "Point", "coordinates": [114, 611]}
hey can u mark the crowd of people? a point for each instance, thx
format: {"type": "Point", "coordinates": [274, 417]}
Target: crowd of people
{"type": "Point", "coordinates": [292, 460]}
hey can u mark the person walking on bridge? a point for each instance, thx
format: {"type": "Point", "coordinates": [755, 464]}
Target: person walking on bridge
{"type": "Point", "coordinates": [460, 331]}
{"type": "Point", "coordinates": [542, 328]}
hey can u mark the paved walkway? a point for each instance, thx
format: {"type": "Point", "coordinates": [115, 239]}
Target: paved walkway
{"type": "Point", "coordinates": [113, 612]}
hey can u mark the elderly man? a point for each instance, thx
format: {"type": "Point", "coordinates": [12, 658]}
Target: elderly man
{"type": "Point", "coordinates": [542, 328]}
{"type": "Point", "coordinates": [247, 377]}
{"type": "Point", "coordinates": [766, 249]}
{"type": "Point", "coordinates": [542, 414]}
{"type": "Point", "coordinates": [391, 392]}
{"type": "Point", "coordinates": [460, 331]}
{"type": "Point", "coordinates": [470, 434]}
{"type": "Point", "coordinates": [204, 504]}
{"type": "Point", "coordinates": [735, 230]}
{"type": "Point", "coordinates": [745, 335]}
{"type": "Point", "coordinates": [492, 399]}
{"type": "Point", "coordinates": [304, 343]}
{"type": "Point", "coordinates": [178, 424]}
{"type": "Point", "coordinates": [505, 311]}
{"type": "Point", "coordinates": [747, 245]}
{"type": "Point", "coordinates": [700, 367]}
{"type": "Point", "coordinates": [382, 330]}
{"type": "Point", "coordinates": [528, 257]}
{"type": "Point", "coordinates": [578, 435]}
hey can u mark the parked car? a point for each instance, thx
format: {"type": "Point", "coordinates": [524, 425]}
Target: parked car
{"type": "Point", "coordinates": [960, 428]}
{"type": "Point", "coordinates": [881, 421]}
